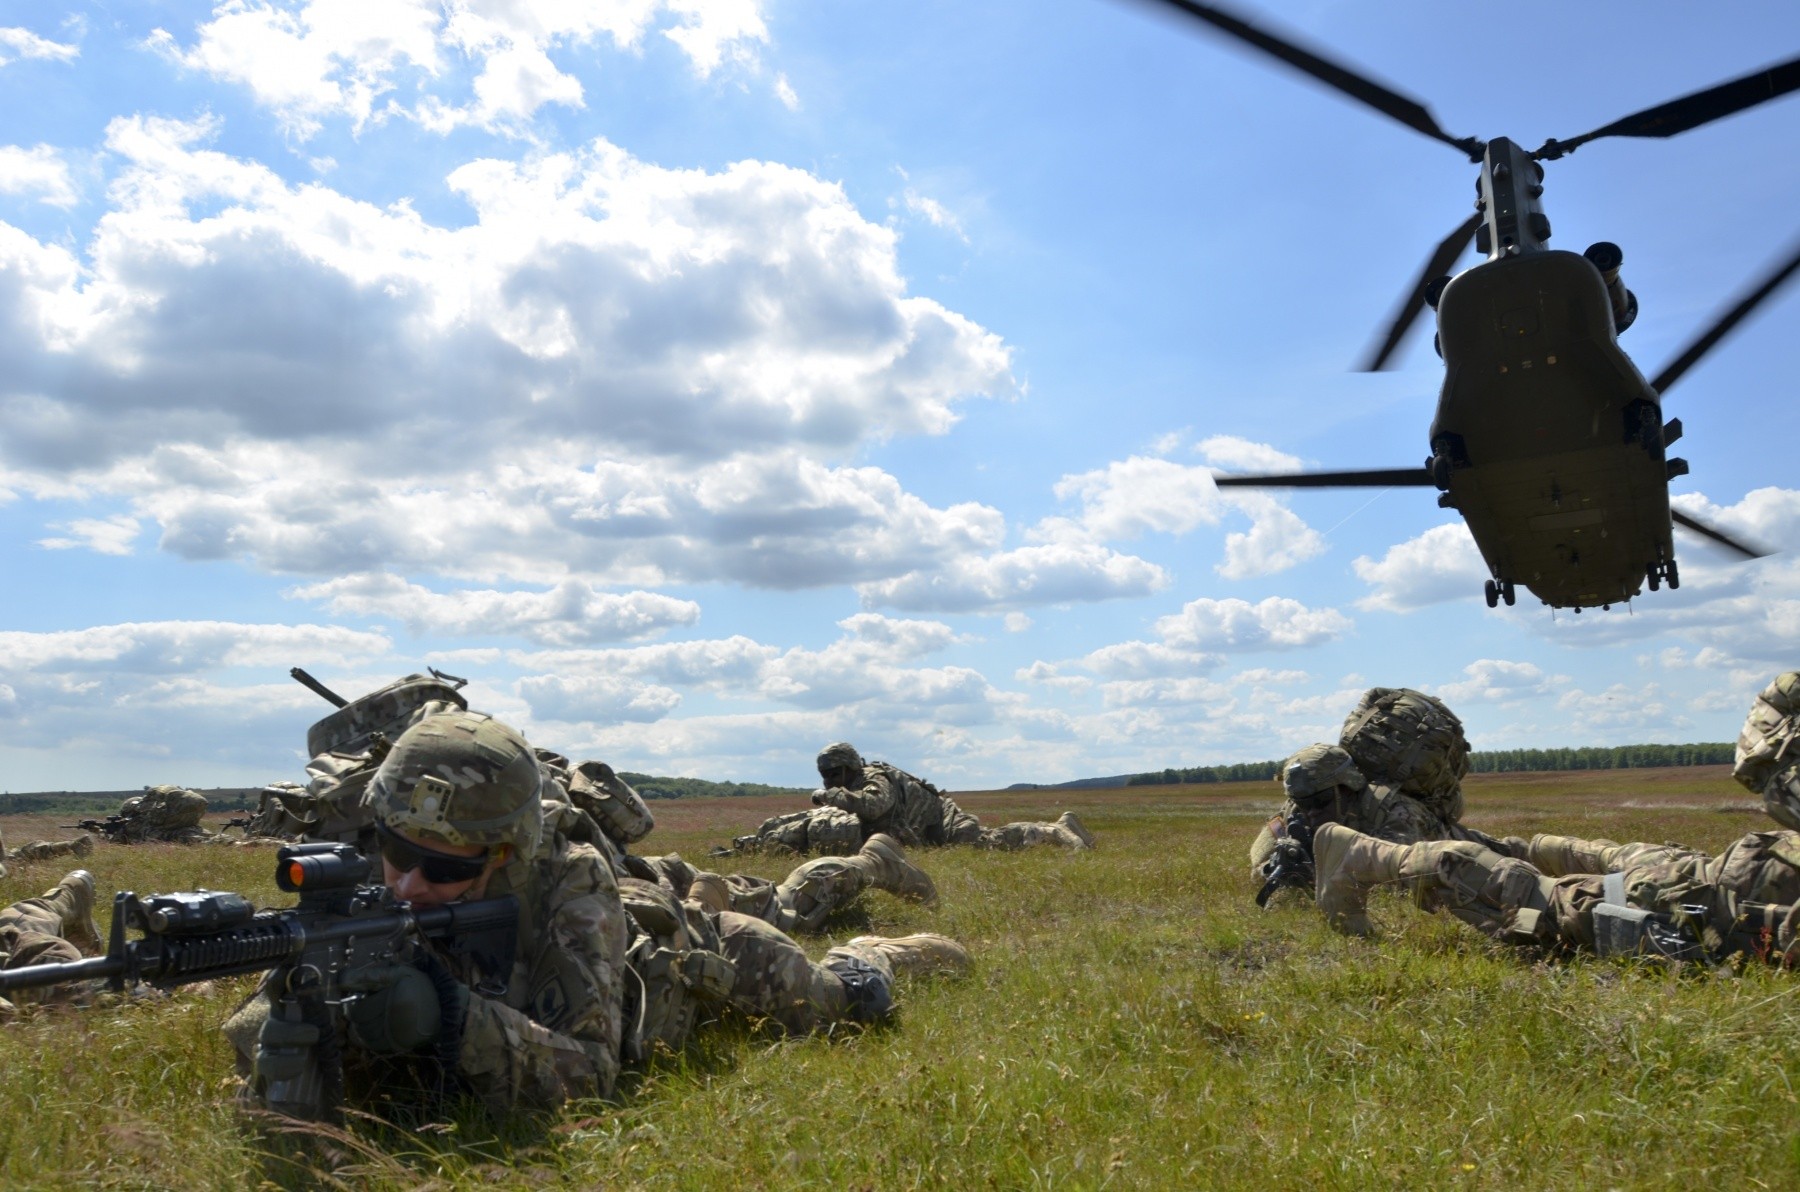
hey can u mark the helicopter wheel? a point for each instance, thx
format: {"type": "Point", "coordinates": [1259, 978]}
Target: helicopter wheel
{"type": "Point", "coordinates": [1672, 575]}
{"type": "Point", "coordinates": [1491, 592]}
{"type": "Point", "coordinates": [1653, 577]}
{"type": "Point", "coordinates": [1507, 594]}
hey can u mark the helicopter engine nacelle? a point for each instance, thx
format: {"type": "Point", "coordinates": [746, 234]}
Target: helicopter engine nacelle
{"type": "Point", "coordinates": [1607, 257]}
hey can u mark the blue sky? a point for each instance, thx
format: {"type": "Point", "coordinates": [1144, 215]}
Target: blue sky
{"type": "Point", "coordinates": [710, 379]}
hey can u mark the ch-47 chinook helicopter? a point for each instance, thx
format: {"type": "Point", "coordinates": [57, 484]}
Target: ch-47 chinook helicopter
{"type": "Point", "coordinates": [1547, 438]}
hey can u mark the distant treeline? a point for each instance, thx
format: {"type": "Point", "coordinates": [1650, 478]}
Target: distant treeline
{"type": "Point", "coordinates": [95, 803]}
{"type": "Point", "coordinates": [652, 787]}
{"type": "Point", "coordinates": [1616, 757]}
{"type": "Point", "coordinates": [1486, 761]}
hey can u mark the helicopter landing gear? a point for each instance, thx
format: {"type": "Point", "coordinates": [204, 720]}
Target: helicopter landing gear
{"type": "Point", "coordinates": [1657, 573]}
{"type": "Point", "coordinates": [1494, 593]}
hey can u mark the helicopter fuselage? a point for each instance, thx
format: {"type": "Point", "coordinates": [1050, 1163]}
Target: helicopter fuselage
{"type": "Point", "coordinates": [1549, 438]}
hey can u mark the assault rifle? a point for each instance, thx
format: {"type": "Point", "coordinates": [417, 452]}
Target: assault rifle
{"type": "Point", "coordinates": [341, 923]}
{"type": "Point", "coordinates": [1291, 864]}
{"type": "Point", "coordinates": [239, 821]}
{"type": "Point", "coordinates": [111, 826]}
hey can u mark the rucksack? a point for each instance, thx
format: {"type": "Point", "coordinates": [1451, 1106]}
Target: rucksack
{"type": "Point", "coordinates": [1771, 735]}
{"type": "Point", "coordinates": [389, 710]}
{"type": "Point", "coordinates": [1410, 742]}
{"type": "Point", "coordinates": [596, 788]}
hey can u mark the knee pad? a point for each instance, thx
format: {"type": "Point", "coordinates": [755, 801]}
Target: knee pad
{"type": "Point", "coordinates": [868, 992]}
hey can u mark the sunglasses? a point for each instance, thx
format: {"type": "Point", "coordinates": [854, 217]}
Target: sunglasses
{"type": "Point", "coordinates": [440, 869]}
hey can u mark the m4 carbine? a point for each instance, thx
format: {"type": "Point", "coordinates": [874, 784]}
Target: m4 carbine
{"type": "Point", "coordinates": [342, 922]}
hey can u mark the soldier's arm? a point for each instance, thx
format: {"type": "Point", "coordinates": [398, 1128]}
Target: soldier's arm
{"type": "Point", "coordinates": [566, 1043]}
{"type": "Point", "coordinates": [874, 800]}
{"type": "Point", "coordinates": [1264, 846]}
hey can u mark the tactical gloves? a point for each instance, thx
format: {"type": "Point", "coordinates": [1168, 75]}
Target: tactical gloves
{"type": "Point", "coordinates": [399, 1008]}
{"type": "Point", "coordinates": [282, 1048]}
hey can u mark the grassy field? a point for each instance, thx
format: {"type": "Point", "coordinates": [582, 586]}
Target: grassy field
{"type": "Point", "coordinates": [1133, 1022]}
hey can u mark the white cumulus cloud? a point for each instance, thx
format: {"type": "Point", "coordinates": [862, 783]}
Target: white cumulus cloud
{"type": "Point", "coordinates": [1440, 564]}
{"type": "Point", "coordinates": [40, 171]}
{"type": "Point", "coordinates": [571, 613]}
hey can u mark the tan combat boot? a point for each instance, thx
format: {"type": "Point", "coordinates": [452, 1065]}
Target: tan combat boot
{"type": "Point", "coordinates": [1075, 830]}
{"type": "Point", "coordinates": [1348, 864]}
{"type": "Point", "coordinates": [1560, 856]}
{"type": "Point", "coordinates": [882, 858]}
{"type": "Point", "coordinates": [925, 953]}
{"type": "Point", "coordinates": [710, 891]}
{"type": "Point", "coordinates": [73, 898]}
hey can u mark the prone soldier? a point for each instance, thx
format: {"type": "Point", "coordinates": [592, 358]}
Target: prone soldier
{"type": "Point", "coordinates": [858, 799]}
{"type": "Point", "coordinates": [1598, 894]}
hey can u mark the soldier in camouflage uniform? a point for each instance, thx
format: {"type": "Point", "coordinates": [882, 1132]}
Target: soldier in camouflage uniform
{"type": "Point", "coordinates": [860, 799]}
{"type": "Point", "coordinates": [50, 929]}
{"type": "Point", "coordinates": [1324, 786]}
{"type": "Point", "coordinates": [456, 811]}
{"type": "Point", "coordinates": [1396, 773]}
{"type": "Point", "coordinates": [589, 801]}
{"type": "Point", "coordinates": [1594, 893]}
{"type": "Point", "coordinates": [47, 850]}
{"type": "Point", "coordinates": [161, 815]}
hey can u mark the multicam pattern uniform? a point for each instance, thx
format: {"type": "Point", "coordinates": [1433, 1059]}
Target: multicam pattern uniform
{"type": "Point", "coordinates": [555, 1034]}
{"type": "Point", "coordinates": [1513, 900]}
{"type": "Point", "coordinates": [32, 931]}
{"type": "Point", "coordinates": [905, 807]}
{"type": "Point", "coordinates": [1759, 867]}
{"type": "Point", "coordinates": [1379, 812]}
{"type": "Point", "coordinates": [891, 800]}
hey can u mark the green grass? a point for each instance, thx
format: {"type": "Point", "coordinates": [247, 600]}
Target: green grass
{"type": "Point", "coordinates": [1133, 1021]}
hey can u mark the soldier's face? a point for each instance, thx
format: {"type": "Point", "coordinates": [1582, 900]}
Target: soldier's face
{"type": "Point", "coordinates": [840, 777]}
{"type": "Point", "coordinates": [1323, 807]}
{"type": "Point", "coordinates": [406, 869]}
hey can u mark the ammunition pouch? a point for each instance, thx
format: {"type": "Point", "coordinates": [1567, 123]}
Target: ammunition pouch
{"type": "Point", "coordinates": [670, 978]}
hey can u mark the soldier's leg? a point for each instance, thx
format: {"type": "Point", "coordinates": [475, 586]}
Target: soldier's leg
{"type": "Point", "coordinates": [820, 888]}
{"type": "Point", "coordinates": [47, 929]}
{"type": "Point", "coordinates": [776, 982]}
{"type": "Point", "coordinates": [1067, 832]}
{"type": "Point", "coordinates": [49, 850]}
{"type": "Point", "coordinates": [1503, 897]}
{"type": "Point", "coordinates": [1559, 856]}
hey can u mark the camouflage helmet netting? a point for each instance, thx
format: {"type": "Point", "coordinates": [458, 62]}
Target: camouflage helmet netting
{"type": "Point", "coordinates": [462, 778]}
{"type": "Point", "coordinates": [840, 754]}
{"type": "Point", "coordinates": [1317, 768]}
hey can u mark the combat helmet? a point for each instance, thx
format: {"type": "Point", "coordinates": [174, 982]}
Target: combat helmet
{"type": "Point", "coordinates": [462, 778]}
{"type": "Point", "coordinates": [840, 755]}
{"type": "Point", "coordinates": [1318, 769]}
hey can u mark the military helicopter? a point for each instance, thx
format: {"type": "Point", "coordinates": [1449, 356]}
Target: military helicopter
{"type": "Point", "coordinates": [1547, 439]}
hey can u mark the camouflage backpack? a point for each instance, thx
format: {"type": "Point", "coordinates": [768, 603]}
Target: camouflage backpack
{"type": "Point", "coordinates": [389, 710]}
{"type": "Point", "coordinates": [284, 812]}
{"type": "Point", "coordinates": [1410, 742]}
{"type": "Point", "coordinates": [594, 787]}
{"type": "Point", "coordinates": [676, 968]}
{"type": "Point", "coordinates": [1770, 744]}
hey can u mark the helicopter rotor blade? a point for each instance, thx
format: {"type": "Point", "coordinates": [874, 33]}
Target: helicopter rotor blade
{"type": "Point", "coordinates": [1690, 111]}
{"type": "Point", "coordinates": [1359, 87]}
{"type": "Point", "coordinates": [1730, 319]}
{"type": "Point", "coordinates": [1717, 535]}
{"type": "Point", "coordinates": [1365, 478]}
{"type": "Point", "coordinates": [1452, 247]}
